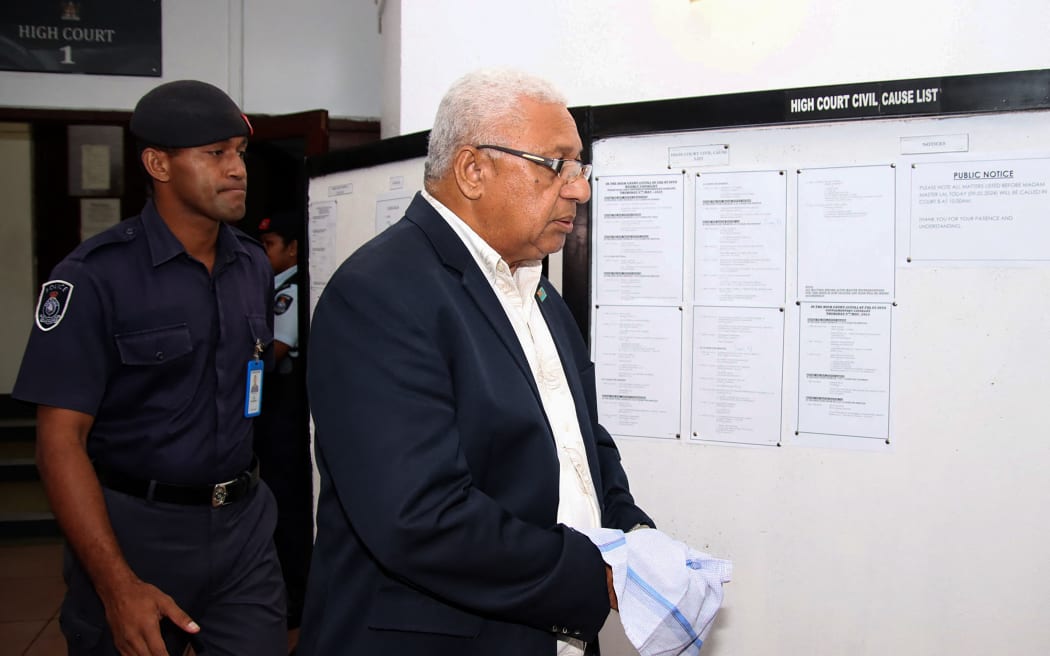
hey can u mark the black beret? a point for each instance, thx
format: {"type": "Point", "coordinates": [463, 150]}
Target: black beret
{"type": "Point", "coordinates": [287, 224]}
{"type": "Point", "coordinates": [187, 113]}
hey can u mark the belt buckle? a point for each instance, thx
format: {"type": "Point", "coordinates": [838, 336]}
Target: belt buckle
{"type": "Point", "coordinates": [219, 495]}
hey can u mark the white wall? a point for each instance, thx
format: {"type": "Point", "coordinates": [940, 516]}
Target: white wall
{"type": "Point", "coordinates": [272, 57]}
{"type": "Point", "coordinates": [312, 54]}
{"type": "Point", "coordinates": [390, 126]}
{"type": "Point", "coordinates": [16, 249]}
{"type": "Point", "coordinates": [603, 52]}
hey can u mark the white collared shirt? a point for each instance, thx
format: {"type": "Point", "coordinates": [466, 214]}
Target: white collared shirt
{"type": "Point", "coordinates": [577, 498]}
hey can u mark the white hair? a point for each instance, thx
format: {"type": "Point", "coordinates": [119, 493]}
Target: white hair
{"type": "Point", "coordinates": [479, 108]}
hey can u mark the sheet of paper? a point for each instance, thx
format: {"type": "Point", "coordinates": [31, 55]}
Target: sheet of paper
{"type": "Point", "coordinates": [98, 214]}
{"type": "Point", "coordinates": [322, 234]}
{"type": "Point", "coordinates": [638, 370]}
{"type": "Point", "coordinates": [845, 234]}
{"type": "Point", "coordinates": [706, 155]}
{"type": "Point", "coordinates": [741, 223]}
{"type": "Point", "coordinates": [390, 207]}
{"type": "Point", "coordinates": [980, 211]}
{"type": "Point", "coordinates": [844, 369]}
{"type": "Point", "coordinates": [94, 167]}
{"type": "Point", "coordinates": [737, 386]}
{"type": "Point", "coordinates": [638, 239]}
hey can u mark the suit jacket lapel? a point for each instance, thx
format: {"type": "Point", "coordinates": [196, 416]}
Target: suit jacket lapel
{"type": "Point", "coordinates": [454, 254]}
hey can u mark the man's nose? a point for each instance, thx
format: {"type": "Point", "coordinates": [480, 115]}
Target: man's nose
{"type": "Point", "coordinates": [578, 190]}
{"type": "Point", "coordinates": [237, 168]}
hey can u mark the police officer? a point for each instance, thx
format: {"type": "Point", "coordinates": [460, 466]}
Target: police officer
{"type": "Point", "coordinates": [279, 234]}
{"type": "Point", "coordinates": [145, 364]}
{"type": "Point", "coordinates": [281, 437]}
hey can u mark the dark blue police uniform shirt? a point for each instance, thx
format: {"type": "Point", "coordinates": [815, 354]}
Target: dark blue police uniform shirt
{"type": "Point", "coordinates": [156, 350]}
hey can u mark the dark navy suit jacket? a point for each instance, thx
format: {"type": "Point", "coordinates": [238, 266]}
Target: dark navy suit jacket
{"type": "Point", "coordinates": [436, 527]}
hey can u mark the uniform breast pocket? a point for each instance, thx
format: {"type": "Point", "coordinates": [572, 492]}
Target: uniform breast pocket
{"type": "Point", "coordinates": [154, 346]}
{"type": "Point", "coordinates": [260, 332]}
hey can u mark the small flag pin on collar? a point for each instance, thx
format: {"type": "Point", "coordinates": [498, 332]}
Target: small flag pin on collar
{"type": "Point", "coordinates": [541, 294]}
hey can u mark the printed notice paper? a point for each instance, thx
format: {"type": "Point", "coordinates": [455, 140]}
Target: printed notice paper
{"type": "Point", "coordinates": [737, 360]}
{"type": "Point", "coordinates": [980, 211]}
{"type": "Point", "coordinates": [844, 369]}
{"type": "Point", "coordinates": [638, 239]}
{"type": "Point", "coordinates": [322, 233]}
{"type": "Point", "coordinates": [740, 238]}
{"type": "Point", "coordinates": [638, 370]}
{"type": "Point", "coordinates": [390, 207]}
{"type": "Point", "coordinates": [845, 234]}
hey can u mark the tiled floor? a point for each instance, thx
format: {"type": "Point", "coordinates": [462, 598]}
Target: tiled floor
{"type": "Point", "coordinates": [31, 590]}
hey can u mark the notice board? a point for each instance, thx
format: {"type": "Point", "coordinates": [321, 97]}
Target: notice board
{"type": "Point", "coordinates": [353, 195]}
{"type": "Point", "coordinates": [819, 318]}
{"type": "Point", "coordinates": [819, 321]}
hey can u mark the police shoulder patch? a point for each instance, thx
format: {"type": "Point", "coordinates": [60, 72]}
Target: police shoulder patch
{"type": "Point", "coordinates": [282, 303]}
{"type": "Point", "coordinates": [53, 303]}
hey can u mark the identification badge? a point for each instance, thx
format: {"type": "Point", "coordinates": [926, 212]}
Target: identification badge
{"type": "Point", "coordinates": [253, 389]}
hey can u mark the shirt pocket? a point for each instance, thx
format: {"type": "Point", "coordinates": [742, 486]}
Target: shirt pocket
{"type": "Point", "coordinates": [259, 330]}
{"type": "Point", "coordinates": [154, 346]}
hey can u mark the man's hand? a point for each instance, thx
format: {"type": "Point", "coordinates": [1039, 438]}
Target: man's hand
{"type": "Point", "coordinates": [134, 610]}
{"type": "Point", "coordinates": [612, 591]}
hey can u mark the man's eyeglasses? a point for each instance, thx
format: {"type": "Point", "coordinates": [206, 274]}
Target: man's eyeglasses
{"type": "Point", "coordinates": [566, 169]}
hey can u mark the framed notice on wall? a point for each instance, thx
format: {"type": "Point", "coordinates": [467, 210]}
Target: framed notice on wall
{"type": "Point", "coordinates": [96, 160]}
{"type": "Point", "coordinates": [102, 37]}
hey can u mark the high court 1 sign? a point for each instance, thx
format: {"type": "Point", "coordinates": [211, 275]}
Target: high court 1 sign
{"type": "Point", "coordinates": [101, 37]}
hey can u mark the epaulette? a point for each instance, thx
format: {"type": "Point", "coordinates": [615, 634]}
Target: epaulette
{"type": "Point", "coordinates": [122, 233]}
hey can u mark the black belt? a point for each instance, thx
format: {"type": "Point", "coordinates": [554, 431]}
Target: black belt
{"type": "Point", "coordinates": [216, 495]}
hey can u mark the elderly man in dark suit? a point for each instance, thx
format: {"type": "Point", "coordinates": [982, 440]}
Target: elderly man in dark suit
{"type": "Point", "coordinates": [457, 435]}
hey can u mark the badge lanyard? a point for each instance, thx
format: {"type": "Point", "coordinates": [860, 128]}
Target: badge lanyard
{"type": "Point", "coordinates": [253, 384]}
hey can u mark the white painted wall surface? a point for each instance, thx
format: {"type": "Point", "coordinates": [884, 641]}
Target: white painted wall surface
{"type": "Point", "coordinates": [602, 52]}
{"type": "Point", "coordinates": [312, 54]}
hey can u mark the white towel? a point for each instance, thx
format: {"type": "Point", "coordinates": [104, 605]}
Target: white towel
{"type": "Point", "coordinates": [667, 593]}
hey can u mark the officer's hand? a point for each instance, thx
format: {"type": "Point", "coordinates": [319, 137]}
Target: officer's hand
{"type": "Point", "coordinates": [134, 611]}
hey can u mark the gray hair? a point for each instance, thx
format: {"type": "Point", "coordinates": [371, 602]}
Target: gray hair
{"type": "Point", "coordinates": [479, 108]}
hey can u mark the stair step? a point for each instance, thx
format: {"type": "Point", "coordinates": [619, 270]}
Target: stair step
{"type": "Point", "coordinates": [24, 511]}
{"type": "Point", "coordinates": [23, 525]}
{"type": "Point", "coordinates": [12, 450]}
{"type": "Point", "coordinates": [17, 432]}
{"type": "Point", "coordinates": [18, 469]}
{"type": "Point", "coordinates": [17, 461]}
{"type": "Point", "coordinates": [23, 497]}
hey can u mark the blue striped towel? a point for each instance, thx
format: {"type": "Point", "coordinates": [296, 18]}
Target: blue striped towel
{"type": "Point", "coordinates": [667, 593]}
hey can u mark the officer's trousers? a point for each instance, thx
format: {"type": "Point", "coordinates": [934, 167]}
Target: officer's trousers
{"type": "Point", "coordinates": [218, 564]}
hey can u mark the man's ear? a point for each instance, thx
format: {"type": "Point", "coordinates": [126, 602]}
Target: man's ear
{"type": "Point", "coordinates": [470, 175]}
{"type": "Point", "coordinates": [293, 248]}
{"type": "Point", "coordinates": [157, 164]}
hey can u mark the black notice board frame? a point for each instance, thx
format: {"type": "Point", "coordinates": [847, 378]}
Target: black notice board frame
{"type": "Point", "coordinates": [384, 151]}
